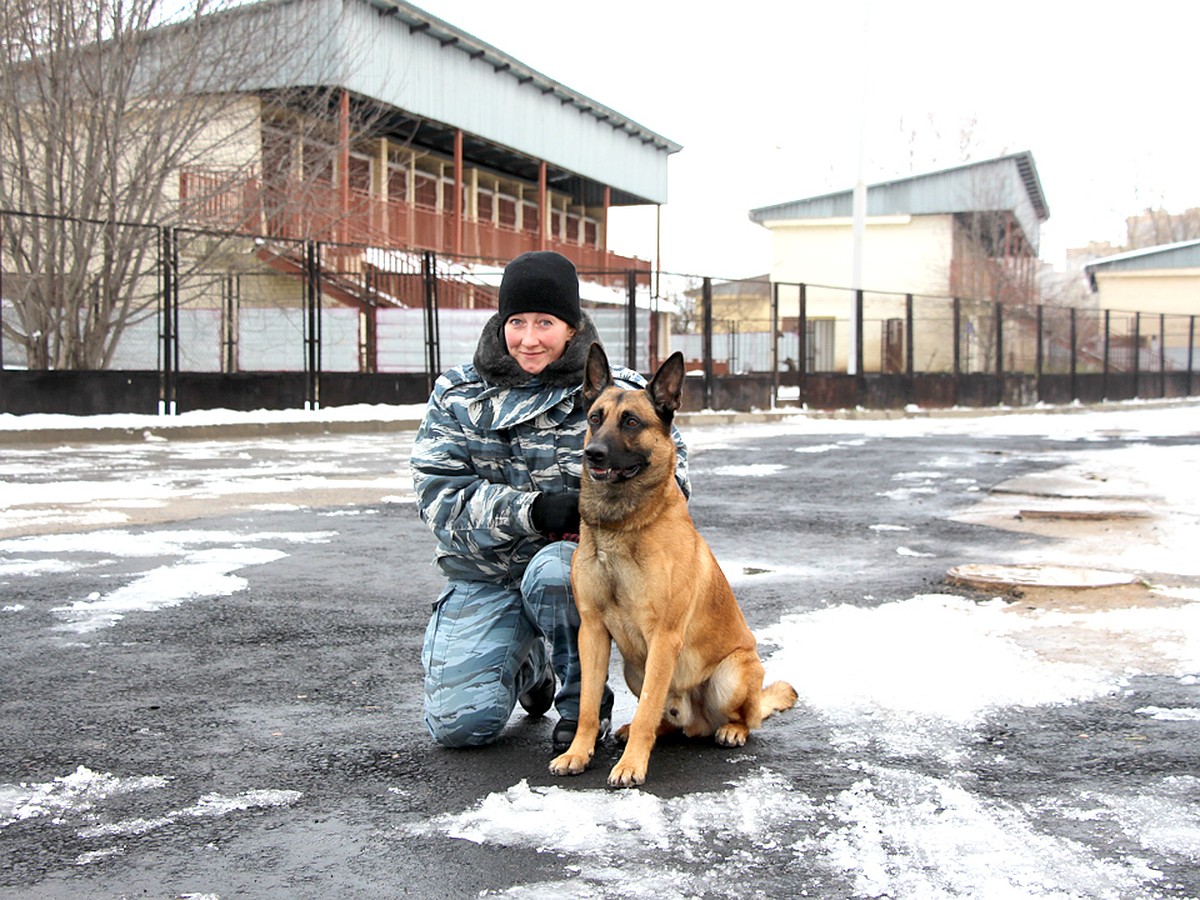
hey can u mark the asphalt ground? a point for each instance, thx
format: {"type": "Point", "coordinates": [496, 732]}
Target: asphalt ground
{"type": "Point", "coordinates": [267, 741]}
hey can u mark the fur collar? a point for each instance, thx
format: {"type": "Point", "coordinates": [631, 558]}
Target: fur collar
{"type": "Point", "coordinates": [501, 370]}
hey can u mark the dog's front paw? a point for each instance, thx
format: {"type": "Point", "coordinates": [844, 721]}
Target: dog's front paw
{"type": "Point", "coordinates": [570, 763]}
{"type": "Point", "coordinates": [625, 774]}
{"type": "Point", "coordinates": [732, 734]}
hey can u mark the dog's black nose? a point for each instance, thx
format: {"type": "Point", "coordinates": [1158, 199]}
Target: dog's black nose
{"type": "Point", "coordinates": [596, 453]}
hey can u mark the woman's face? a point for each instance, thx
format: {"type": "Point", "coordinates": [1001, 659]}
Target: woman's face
{"type": "Point", "coordinates": [536, 339]}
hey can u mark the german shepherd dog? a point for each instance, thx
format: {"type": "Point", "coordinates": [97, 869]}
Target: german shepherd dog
{"type": "Point", "coordinates": [644, 577]}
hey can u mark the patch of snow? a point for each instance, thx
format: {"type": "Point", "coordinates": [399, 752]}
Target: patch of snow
{"type": "Point", "coordinates": [1186, 714]}
{"type": "Point", "coordinates": [80, 790]}
{"type": "Point", "coordinates": [915, 675]}
{"type": "Point", "coordinates": [904, 834]}
{"type": "Point", "coordinates": [751, 470]}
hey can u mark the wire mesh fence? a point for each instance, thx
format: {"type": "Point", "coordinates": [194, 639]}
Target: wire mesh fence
{"type": "Point", "coordinates": [192, 302]}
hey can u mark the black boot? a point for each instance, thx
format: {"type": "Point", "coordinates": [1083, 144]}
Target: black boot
{"type": "Point", "coordinates": [540, 697]}
{"type": "Point", "coordinates": [564, 729]}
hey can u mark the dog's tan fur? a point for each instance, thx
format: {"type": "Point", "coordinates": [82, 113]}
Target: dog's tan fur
{"type": "Point", "coordinates": [644, 577]}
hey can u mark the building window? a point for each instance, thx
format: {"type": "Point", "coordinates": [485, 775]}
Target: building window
{"type": "Point", "coordinates": [425, 191]}
{"type": "Point", "coordinates": [397, 187]}
{"type": "Point", "coordinates": [360, 173]}
{"type": "Point", "coordinates": [529, 218]}
{"type": "Point", "coordinates": [508, 211]}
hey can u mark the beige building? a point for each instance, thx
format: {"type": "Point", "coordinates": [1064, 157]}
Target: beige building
{"type": "Point", "coordinates": [970, 232]}
{"type": "Point", "coordinates": [1157, 280]}
{"type": "Point", "coordinates": [1151, 298]}
{"type": "Point", "coordinates": [740, 305]}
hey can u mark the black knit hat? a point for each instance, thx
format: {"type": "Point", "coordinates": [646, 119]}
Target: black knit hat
{"type": "Point", "coordinates": [541, 281]}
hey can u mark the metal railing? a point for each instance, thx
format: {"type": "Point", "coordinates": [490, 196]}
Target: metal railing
{"type": "Point", "coordinates": [219, 318]}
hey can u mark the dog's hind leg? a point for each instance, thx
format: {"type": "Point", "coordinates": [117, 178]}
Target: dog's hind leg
{"type": "Point", "coordinates": [776, 697]}
{"type": "Point", "coordinates": [733, 697]}
{"type": "Point", "coordinates": [666, 726]}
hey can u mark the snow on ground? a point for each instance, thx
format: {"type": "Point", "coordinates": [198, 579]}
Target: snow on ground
{"type": "Point", "coordinates": [913, 680]}
{"type": "Point", "coordinates": [894, 833]}
{"type": "Point", "coordinates": [910, 679]}
{"type": "Point", "coordinates": [203, 566]}
{"type": "Point", "coordinates": [82, 790]}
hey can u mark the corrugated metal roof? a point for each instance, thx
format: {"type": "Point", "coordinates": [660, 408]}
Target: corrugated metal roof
{"type": "Point", "coordinates": [433, 79]}
{"type": "Point", "coordinates": [452, 37]}
{"type": "Point", "coordinates": [1009, 183]}
{"type": "Point", "coordinates": [1180, 255]}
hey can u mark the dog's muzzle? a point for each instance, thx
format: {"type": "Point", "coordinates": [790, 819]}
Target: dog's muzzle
{"type": "Point", "coordinates": [602, 474]}
{"type": "Point", "coordinates": [605, 466]}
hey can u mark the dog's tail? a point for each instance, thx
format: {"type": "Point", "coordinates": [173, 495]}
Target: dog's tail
{"type": "Point", "coordinates": [776, 697]}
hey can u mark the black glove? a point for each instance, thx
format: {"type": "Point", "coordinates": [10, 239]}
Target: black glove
{"type": "Point", "coordinates": [556, 513]}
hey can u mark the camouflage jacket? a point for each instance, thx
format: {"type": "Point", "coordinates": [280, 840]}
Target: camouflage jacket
{"type": "Point", "coordinates": [492, 437]}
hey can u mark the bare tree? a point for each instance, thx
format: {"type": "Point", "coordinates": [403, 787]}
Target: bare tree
{"type": "Point", "coordinates": [938, 143]}
{"type": "Point", "coordinates": [114, 121]}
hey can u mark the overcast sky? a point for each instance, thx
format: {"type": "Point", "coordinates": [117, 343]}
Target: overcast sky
{"type": "Point", "coordinates": [766, 99]}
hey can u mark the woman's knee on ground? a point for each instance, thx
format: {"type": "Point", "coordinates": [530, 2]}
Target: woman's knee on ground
{"type": "Point", "coordinates": [465, 723]}
{"type": "Point", "coordinates": [474, 642]}
{"type": "Point", "coordinates": [548, 575]}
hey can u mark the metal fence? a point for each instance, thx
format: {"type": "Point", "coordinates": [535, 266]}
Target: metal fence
{"type": "Point", "coordinates": [201, 319]}
{"type": "Point", "coordinates": [874, 332]}
{"type": "Point", "coordinates": [838, 347]}
{"type": "Point", "coordinates": [207, 319]}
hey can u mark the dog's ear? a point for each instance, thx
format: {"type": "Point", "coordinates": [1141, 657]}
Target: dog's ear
{"type": "Point", "coordinates": [666, 388]}
{"type": "Point", "coordinates": [596, 375]}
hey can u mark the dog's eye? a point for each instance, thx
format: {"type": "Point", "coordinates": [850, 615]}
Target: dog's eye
{"type": "Point", "coordinates": [594, 419]}
{"type": "Point", "coordinates": [632, 422]}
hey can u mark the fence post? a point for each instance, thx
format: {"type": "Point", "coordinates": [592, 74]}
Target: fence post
{"type": "Point", "coordinates": [956, 317]}
{"type": "Point", "coordinates": [653, 336]}
{"type": "Point", "coordinates": [1191, 351]}
{"type": "Point", "coordinates": [1107, 350]}
{"type": "Point", "coordinates": [1137, 355]}
{"type": "Point", "coordinates": [229, 324]}
{"type": "Point", "coordinates": [1038, 362]}
{"type": "Point", "coordinates": [631, 348]}
{"type": "Point", "coordinates": [1074, 354]}
{"type": "Point", "coordinates": [858, 332]}
{"type": "Point", "coordinates": [312, 329]}
{"type": "Point", "coordinates": [909, 334]}
{"type": "Point", "coordinates": [802, 350]}
{"type": "Point", "coordinates": [774, 344]}
{"type": "Point", "coordinates": [433, 351]}
{"type": "Point", "coordinates": [1162, 355]}
{"type": "Point", "coordinates": [369, 354]}
{"type": "Point", "coordinates": [707, 295]}
{"type": "Point", "coordinates": [999, 340]}
{"type": "Point", "coordinates": [168, 331]}
{"type": "Point", "coordinates": [909, 351]}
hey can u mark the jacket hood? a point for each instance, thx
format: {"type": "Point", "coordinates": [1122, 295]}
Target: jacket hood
{"type": "Point", "coordinates": [499, 369]}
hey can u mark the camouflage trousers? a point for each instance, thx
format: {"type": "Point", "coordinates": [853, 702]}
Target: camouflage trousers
{"type": "Point", "coordinates": [486, 645]}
